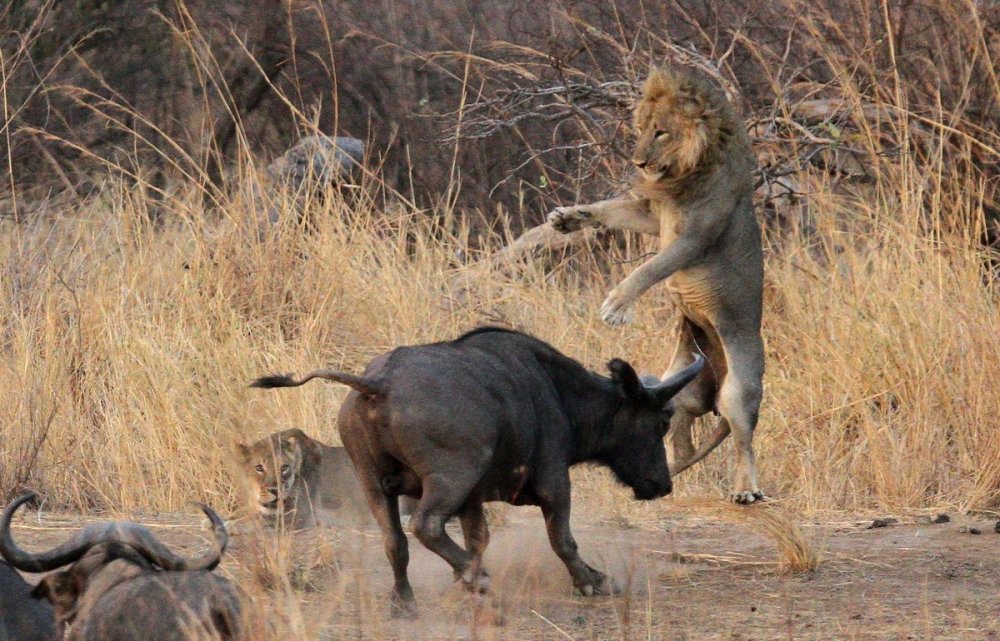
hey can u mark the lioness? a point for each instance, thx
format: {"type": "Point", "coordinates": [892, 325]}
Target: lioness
{"type": "Point", "coordinates": [298, 482]}
{"type": "Point", "coordinates": [695, 192]}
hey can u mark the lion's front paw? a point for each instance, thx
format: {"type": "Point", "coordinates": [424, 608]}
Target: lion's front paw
{"type": "Point", "coordinates": [617, 309]}
{"type": "Point", "coordinates": [571, 219]}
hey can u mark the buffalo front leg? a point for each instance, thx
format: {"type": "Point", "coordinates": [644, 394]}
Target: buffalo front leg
{"type": "Point", "coordinates": [587, 580]}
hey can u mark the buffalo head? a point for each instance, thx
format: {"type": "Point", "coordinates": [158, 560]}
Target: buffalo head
{"type": "Point", "coordinates": [636, 453]}
{"type": "Point", "coordinates": [103, 558]}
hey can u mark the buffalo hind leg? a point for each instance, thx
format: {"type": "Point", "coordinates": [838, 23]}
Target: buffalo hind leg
{"type": "Point", "coordinates": [385, 509]}
{"type": "Point", "coordinates": [739, 405]}
{"type": "Point", "coordinates": [442, 497]}
{"type": "Point", "coordinates": [587, 580]}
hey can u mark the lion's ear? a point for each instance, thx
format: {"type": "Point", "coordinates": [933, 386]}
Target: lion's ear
{"type": "Point", "coordinates": [243, 452]}
{"type": "Point", "coordinates": [292, 435]}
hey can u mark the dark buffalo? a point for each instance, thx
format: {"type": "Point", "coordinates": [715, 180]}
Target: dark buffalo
{"type": "Point", "coordinates": [23, 617]}
{"type": "Point", "coordinates": [494, 415]}
{"type": "Point", "coordinates": [121, 584]}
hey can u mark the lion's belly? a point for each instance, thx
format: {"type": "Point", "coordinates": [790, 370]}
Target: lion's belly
{"type": "Point", "coordinates": [696, 297]}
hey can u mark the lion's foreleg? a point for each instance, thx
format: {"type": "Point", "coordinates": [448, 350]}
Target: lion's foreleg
{"type": "Point", "coordinates": [629, 214]}
{"type": "Point", "coordinates": [617, 308]}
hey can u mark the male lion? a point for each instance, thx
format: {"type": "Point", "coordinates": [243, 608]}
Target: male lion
{"type": "Point", "coordinates": [695, 192]}
{"type": "Point", "coordinates": [299, 482]}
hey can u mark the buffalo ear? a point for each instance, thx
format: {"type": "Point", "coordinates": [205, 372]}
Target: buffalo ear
{"type": "Point", "coordinates": [628, 381]}
{"type": "Point", "coordinates": [52, 586]}
{"type": "Point", "coordinates": [42, 590]}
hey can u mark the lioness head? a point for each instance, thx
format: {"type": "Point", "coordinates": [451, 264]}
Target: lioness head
{"type": "Point", "coordinates": [678, 120]}
{"type": "Point", "coordinates": [271, 467]}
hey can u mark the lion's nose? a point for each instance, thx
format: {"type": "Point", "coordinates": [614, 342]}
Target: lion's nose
{"type": "Point", "coordinates": [641, 164]}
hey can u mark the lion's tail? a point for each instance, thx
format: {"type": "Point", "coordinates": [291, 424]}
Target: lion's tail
{"type": "Point", "coordinates": [366, 386]}
{"type": "Point", "coordinates": [721, 432]}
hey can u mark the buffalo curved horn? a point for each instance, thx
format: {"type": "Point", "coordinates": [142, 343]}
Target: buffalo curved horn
{"type": "Point", "coordinates": [59, 556]}
{"type": "Point", "coordinates": [143, 541]}
{"type": "Point", "coordinates": [131, 534]}
{"type": "Point", "coordinates": [674, 383]}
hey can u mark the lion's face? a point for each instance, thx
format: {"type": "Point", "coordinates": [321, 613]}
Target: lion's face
{"type": "Point", "coordinates": [673, 121]}
{"type": "Point", "coordinates": [271, 467]}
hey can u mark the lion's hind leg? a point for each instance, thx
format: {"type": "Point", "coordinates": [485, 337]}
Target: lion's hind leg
{"type": "Point", "coordinates": [698, 397]}
{"type": "Point", "coordinates": [739, 405]}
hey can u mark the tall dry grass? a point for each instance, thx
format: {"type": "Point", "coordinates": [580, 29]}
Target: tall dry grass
{"type": "Point", "coordinates": [133, 319]}
{"type": "Point", "coordinates": [129, 347]}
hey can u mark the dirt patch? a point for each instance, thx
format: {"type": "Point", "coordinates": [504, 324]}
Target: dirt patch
{"type": "Point", "coordinates": [685, 577]}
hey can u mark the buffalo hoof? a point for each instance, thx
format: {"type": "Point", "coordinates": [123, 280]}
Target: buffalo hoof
{"type": "Point", "coordinates": [599, 585]}
{"type": "Point", "coordinates": [475, 582]}
{"type": "Point", "coordinates": [402, 608]}
{"type": "Point", "coordinates": [747, 498]}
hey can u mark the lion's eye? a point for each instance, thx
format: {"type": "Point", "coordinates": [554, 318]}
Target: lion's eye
{"type": "Point", "coordinates": [284, 469]}
{"type": "Point", "coordinates": [659, 133]}
{"type": "Point", "coordinates": [260, 469]}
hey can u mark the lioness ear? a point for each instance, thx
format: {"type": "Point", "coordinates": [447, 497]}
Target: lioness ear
{"type": "Point", "coordinates": [243, 452]}
{"type": "Point", "coordinates": [293, 434]}
{"type": "Point", "coordinates": [628, 381]}
{"type": "Point", "coordinates": [292, 442]}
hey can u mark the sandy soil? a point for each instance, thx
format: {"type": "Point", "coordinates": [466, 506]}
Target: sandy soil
{"type": "Point", "coordinates": [685, 577]}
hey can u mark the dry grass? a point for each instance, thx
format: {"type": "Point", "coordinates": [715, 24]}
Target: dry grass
{"type": "Point", "coordinates": [796, 551]}
{"type": "Point", "coordinates": [130, 348]}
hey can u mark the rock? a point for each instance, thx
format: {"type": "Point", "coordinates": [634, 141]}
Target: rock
{"type": "Point", "coordinates": [313, 167]}
{"type": "Point", "coordinates": [877, 523]}
{"type": "Point", "coordinates": [330, 161]}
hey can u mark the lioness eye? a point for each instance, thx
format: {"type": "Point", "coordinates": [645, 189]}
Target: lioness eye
{"type": "Point", "coordinates": [260, 469]}
{"type": "Point", "coordinates": [284, 468]}
{"type": "Point", "coordinates": [660, 133]}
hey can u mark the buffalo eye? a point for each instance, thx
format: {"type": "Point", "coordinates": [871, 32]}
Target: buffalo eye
{"type": "Point", "coordinates": [665, 423]}
{"type": "Point", "coordinates": [259, 468]}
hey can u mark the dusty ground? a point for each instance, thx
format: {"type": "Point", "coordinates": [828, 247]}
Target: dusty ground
{"type": "Point", "coordinates": [686, 577]}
